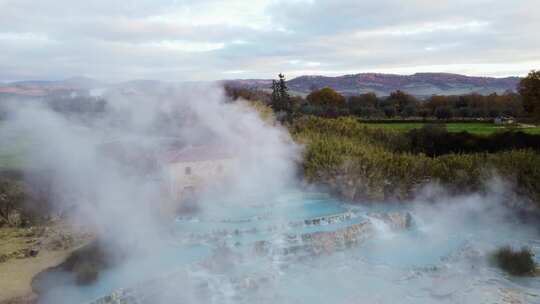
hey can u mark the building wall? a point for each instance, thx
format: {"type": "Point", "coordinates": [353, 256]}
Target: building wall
{"type": "Point", "coordinates": [190, 176]}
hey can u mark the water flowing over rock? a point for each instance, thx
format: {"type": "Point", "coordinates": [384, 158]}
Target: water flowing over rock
{"type": "Point", "coordinates": [224, 259]}
{"type": "Point", "coordinates": [327, 242]}
{"type": "Point", "coordinates": [395, 220]}
{"type": "Point", "coordinates": [308, 248]}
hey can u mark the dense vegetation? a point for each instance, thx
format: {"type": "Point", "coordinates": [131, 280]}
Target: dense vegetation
{"type": "Point", "coordinates": [529, 89]}
{"type": "Point", "coordinates": [362, 159]}
{"type": "Point", "coordinates": [360, 162]}
{"type": "Point", "coordinates": [24, 202]}
{"type": "Point", "coordinates": [328, 103]}
{"type": "Point", "coordinates": [472, 127]}
{"type": "Point", "coordinates": [11, 200]}
{"type": "Point", "coordinates": [80, 104]}
{"type": "Point", "coordinates": [515, 262]}
{"type": "Point", "coordinates": [435, 140]}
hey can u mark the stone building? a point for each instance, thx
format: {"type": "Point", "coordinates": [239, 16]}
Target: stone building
{"type": "Point", "coordinates": [189, 170]}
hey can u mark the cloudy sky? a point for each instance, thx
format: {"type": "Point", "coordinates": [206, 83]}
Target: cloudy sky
{"type": "Point", "coordinates": [224, 39]}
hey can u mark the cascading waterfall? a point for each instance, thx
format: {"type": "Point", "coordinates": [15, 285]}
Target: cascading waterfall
{"type": "Point", "coordinates": [427, 263]}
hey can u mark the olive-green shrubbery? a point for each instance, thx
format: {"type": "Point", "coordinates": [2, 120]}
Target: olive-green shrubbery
{"type": "Point", "coordinates": [11, 202]}
{"type": "Point", "coordinates": [22, 204]}
{"type": "Point", "coordinates": [515, 262]}
{"type": "Point", "coordinates": [362, 162]}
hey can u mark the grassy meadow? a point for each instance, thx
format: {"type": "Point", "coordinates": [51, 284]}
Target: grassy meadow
{"type": "Point", "coordinates": [478, 128]}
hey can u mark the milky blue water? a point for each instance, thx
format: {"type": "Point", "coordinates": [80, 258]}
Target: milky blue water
{"type": "Point", "coordinates": [443, 258]}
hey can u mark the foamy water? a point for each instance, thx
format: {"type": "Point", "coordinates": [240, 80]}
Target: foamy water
{"type": "Point", "coordinates": [210, 258]}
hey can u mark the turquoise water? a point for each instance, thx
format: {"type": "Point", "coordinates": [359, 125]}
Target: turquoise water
{"type": "Point", "coordinates": [169, 259]}
{"type": "Point", "coordinates": [441, 259]}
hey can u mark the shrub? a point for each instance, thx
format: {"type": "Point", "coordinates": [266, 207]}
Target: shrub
{"type": "Point", "coordinates": [87, 262]}
{"type": "Point", "coordinates": [24, 202]}
{"type": "Point", "coordinates": [529, 89]}
{"type": "Point", "coordinates": [436, 141]}
{"type": "Point", "coordinates": [86, 274]}
{"type": "Point", "coordinates": [326, 97]}
{"type": "Point", "coordinates": [389, 111]}
{"type": "Point", "coordinates": [361, 162]}
{"type": "Point", "coordinates": [515, 262]}
{"type": "Point", "coordinates": [11, 200]}
{"type": "Point", "coordinates": [443, 113]}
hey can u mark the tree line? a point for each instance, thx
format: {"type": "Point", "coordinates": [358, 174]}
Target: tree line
{"type": "Point", "coordinates": [326, 102]}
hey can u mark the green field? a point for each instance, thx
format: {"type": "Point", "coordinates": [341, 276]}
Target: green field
{"type": "Point", "coordinates": [12, 155]}
{"type": "Point", "coordinates": [480, 128]}
{"type": "Point", "coordinates": [13, 146]}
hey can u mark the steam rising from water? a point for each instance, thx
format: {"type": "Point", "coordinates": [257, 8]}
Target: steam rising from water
{"type": "Point", "coordinates": [117, 194]}
{"type": "Point", "coordinates": [436, 261]}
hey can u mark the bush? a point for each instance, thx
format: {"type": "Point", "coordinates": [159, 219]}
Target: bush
{"type": "Point", "coordinates": [389, 111]}
{"type": "Point", "coordinates": [86, 274]}
{"type": "Point", "coordinates": [360, 162]}
{"type": "Point", "coordinates": [24, 202]}
{"type": "Point", "coordinates": [326, 97]}
{"type": "Point", "coordinates": [11, 200]}
{"type": "Point", "coordinates": [433, 140]}
{"type": "Point", "coordinates": [518, 263]}
{"type": "Point", "coordinates": [87, 262]}
{"type": "Point", "coordinates": [443, 113]}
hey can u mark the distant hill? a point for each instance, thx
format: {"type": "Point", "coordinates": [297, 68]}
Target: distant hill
{"type": "Point", "coordinates": [420, 84]}
{"type": "Point", "coordinates": [40, 88]}
{"type": "Point", "coordinates": [260, 84]}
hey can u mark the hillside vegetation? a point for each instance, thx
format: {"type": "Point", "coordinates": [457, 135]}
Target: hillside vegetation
{"type": "Point", "coordinates": [360, 162]}
{"type": "Point", "coordinates": [479, 128]}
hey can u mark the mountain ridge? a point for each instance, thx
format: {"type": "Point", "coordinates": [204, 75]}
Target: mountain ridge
{"type": "Point", "coordinates": [419, 84]}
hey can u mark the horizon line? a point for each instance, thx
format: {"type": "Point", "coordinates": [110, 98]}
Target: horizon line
{"type": "Point", "coordinates": [254, 78]}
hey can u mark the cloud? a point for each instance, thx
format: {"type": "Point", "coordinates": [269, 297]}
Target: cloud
{"type": "Point", "coordinates": [202, 40]}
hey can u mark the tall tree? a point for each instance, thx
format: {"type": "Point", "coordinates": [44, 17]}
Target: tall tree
{"type": "Point", "coordinates": [281, 101]}
{"type": "Point", "coordinates": [529, 89]}
{"type": "Point", "coordinates": [283, 89]}
{"type": "Point", "coordinates": [275, 95]}
{"type": "Point", "coordinates": [402, 100]}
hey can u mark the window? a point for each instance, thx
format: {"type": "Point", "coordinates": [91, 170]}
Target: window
{"type": "Point", "coordinates": [187, 170]}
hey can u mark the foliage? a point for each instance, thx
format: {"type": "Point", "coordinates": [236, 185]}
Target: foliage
{"type": "Point", "coordinates": [401, 100]}
{"type": "Point", "coordinates": [529, 88]}
{"type": "Point", "coordinates": [327, 102]}
{"type": "Point", "coordinates": [326, 97]}
{"type": "Point", "coordinates": [363, 105]}
{"type": "Point", "coordinates": [235, 93]}
{"type": "Point", "coordinates": [281, 101]}
{"type": "Point", "coordinates": [443, 113]}
{"type": "Point", "coordinates": [515, 262]}
{"type": "Point", "coordinates": [435, 140]}
{"type": "Point", "coordinates": [87, 262]}
{"type": "Point", "coordinates": [264, 111]}
{"type": "Point", "coordinates": [402, 105]}
{"type": "Point", "coordinates": [80, 104]}
{"type": "Point", "coordinates": [473, 105]}
{"type": "Point", "coordinates": [27, 202]}
{"type": "Point", "coordinates": [389, 111]}
{"type": "Point", "coordinates": [359, 162]}
{"type": "Point", "coordinates": [477, 128]}
{"type": "Point", "coordinates": [11, 201]}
